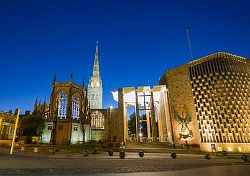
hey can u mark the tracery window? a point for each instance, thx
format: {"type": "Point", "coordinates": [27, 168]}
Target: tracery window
{"type": "Point", "coordinates": [97, 120]}
{"type": "Point", "coordinates": [75, 106]}
{"type": "Point", "coordinates": [62, 106]}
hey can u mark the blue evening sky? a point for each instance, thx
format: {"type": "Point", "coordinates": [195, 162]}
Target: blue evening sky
{"type": "Point", "coordinates": [138, 41]}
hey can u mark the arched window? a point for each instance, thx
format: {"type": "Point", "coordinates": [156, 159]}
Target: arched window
{"type": "Point", "coordinates": [62, 106]}
{"type": "Point", "coordinates": [97, 120]}
{"type": "Point", "coordinates": [75, 106]}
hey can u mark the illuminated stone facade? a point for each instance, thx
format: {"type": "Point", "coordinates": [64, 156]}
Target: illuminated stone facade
{"type": "Point", "coordinates": [149, 103]}
{"type": "Point", "coordinates": [95, 85]}
{"type": "Point", "coordinates": [7, 125]}
{"type": "Point", "coordinates": [68, 118]}
{"type": "Point", "coordinates": [215, 92]}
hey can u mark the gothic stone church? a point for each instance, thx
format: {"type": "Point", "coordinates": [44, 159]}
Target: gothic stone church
{"type": "Point", "coordinates": [75, 114]}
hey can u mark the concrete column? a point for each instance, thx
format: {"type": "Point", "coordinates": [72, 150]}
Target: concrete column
{"type": "Point", "coordinates": [148, 124]}
{"type": "Point", "coordinates": [168, 118]}
{"type": "Point", "coordinates": [137, 116]}
{"type": "Point", "coordinates": [159, 115]}
{"type": "Point", "coordinates": [121, 114]}
{"type": "Point", "coordinates": [153, 124]}
{"type": "Point", "coordinates": [125, 122]}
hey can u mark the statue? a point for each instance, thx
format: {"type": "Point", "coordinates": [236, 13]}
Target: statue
{"type": "Point", "coordinates": [185, 133]}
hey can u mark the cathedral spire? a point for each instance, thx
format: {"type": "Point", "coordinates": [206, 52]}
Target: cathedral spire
{"type": "Point", "coordinates": [71, 77]}
{"type": "Point", "coordinates": [35, 105]}
{"type": "Point", "coordinates": [54, 80]}
{"type": "Point", "coordinates": [94, 92]}
{"type": "Point", "coordinates": [96, 72]}
{"type": "Point", "coordinates": [83, 82]}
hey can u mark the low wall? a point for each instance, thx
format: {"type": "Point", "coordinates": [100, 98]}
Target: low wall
{"type": "Point", "coordinates": [229, 147]}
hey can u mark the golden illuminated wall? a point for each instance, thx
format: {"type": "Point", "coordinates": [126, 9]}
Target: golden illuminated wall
{"type": "Point", "coordinates": [221, 92]}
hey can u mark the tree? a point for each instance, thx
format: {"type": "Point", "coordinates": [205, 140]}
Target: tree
{"type": "Point", "coordinates": [144, 126]}
{"type": "Point", "coordinates": [32, 125]}
{"type": "Point", "coordinates": [131, 124]}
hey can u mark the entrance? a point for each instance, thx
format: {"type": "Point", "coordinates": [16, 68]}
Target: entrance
{"type": "Point", "coordinates": [149, 113]}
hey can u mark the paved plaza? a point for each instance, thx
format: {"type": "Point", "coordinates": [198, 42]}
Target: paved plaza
{"type": "Point", "coordinates": [44, 163]}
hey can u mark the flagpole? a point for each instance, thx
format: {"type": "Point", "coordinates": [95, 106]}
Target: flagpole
{"type": "Point", "coordinates": [189, 44]}
{"type": "Point", "coordinates": [14, 136]}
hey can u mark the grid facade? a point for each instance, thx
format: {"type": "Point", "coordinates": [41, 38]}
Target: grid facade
{"type": "Point", "coordinates": [221, 92]}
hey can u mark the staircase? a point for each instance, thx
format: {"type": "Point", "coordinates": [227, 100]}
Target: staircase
{"type": "Point", "coordinates": [156, 147]}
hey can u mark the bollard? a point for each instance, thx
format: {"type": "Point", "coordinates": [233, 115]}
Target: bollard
{"type": "Point", "coordinates": [52, 150]}
{"type": "Point", "coordinates": [245, 158]}
{"type": "Point", "coordinates": [85, 153]}
{"type": "Point", "coordinates": [95, 150]}
{"type": "Point", "coordinates": [110, 153]}
{"type": "Point", "coordinates": [122, 154]}
{"type": "Point", "coordinates": [207, 156]}
{"type": "Point", "coordinates": [173, 155]}
{"type": "Point", "coordinates": [22, 148]}
{"type": "Point", "coordinates": [35, 150]}
{"type": "Point", "coordinates": [141, 154]}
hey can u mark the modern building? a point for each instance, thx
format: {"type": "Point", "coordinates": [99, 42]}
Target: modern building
{"type": "Point", "coordinates": [209, 102]}
{"type": "Point", "coordinates": [147, 102]}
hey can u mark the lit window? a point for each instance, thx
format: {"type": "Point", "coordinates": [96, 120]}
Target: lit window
{"type": "Point", "coordinates": [219, 149]}
{"type": "Point", "coordinates": [239, 149]}
{"type": "Point", "coordinates": [75, 106]}
{"type": "Point", "coordinates": [62, 106]}
{"type": "Point", "coordinates": [97, 120]}
{"type": "Point", "coordinates": [229, 149]}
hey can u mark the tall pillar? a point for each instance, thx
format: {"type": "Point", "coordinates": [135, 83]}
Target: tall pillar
{"type": "Point", "coordinates": [153, 124]}
{"type": "Point", "coordinates": [125, 122]}
{"type": "Point", "coordinates": [121, 114]}
{"type": "Point", "coordinates": [137, 116]}
{"type": "Point", "coordinates": [148, 124]}
{"type": "Point", "coordinates": [168, 118]}
{"type": "Point", "coordinates": [159, 116]}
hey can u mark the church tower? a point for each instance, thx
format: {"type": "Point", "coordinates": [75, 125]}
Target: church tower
{"type": "Point", "coordinates": [95, 85]}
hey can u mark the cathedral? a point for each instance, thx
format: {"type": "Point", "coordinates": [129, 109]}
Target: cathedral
{"type": "Point", "coordinates": [75, 113]}
{"type": "Point", "coordinates": [203, 103]}
{"type": "Point", "coordinates": [95, 85]}
{"type": "Point", "coordinates": [68, 115]}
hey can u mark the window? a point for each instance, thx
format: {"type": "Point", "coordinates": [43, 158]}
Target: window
{"type": "Point", "coordinates": [75, 106]}
{"type": "Point", "coordinates": [75, 128]}
{"type": "Point", "coordinates": [50, 127]}
{"type": "Point", "coordinates": [97, 120]}
{"type": "Point", "coordinates": [62, 106]}
{"type": "Point", "coordinates": [60, 127]}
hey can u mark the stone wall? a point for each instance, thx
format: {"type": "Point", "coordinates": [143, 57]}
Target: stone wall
{"type": "Point", "coordinates": [181, 101]}
{"type": "Point", "coordinates": [46, 136]}
{"type": "Point", "coordinates": [112, 127]}
{"type": "Point", "coordinates": [76, 133]}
